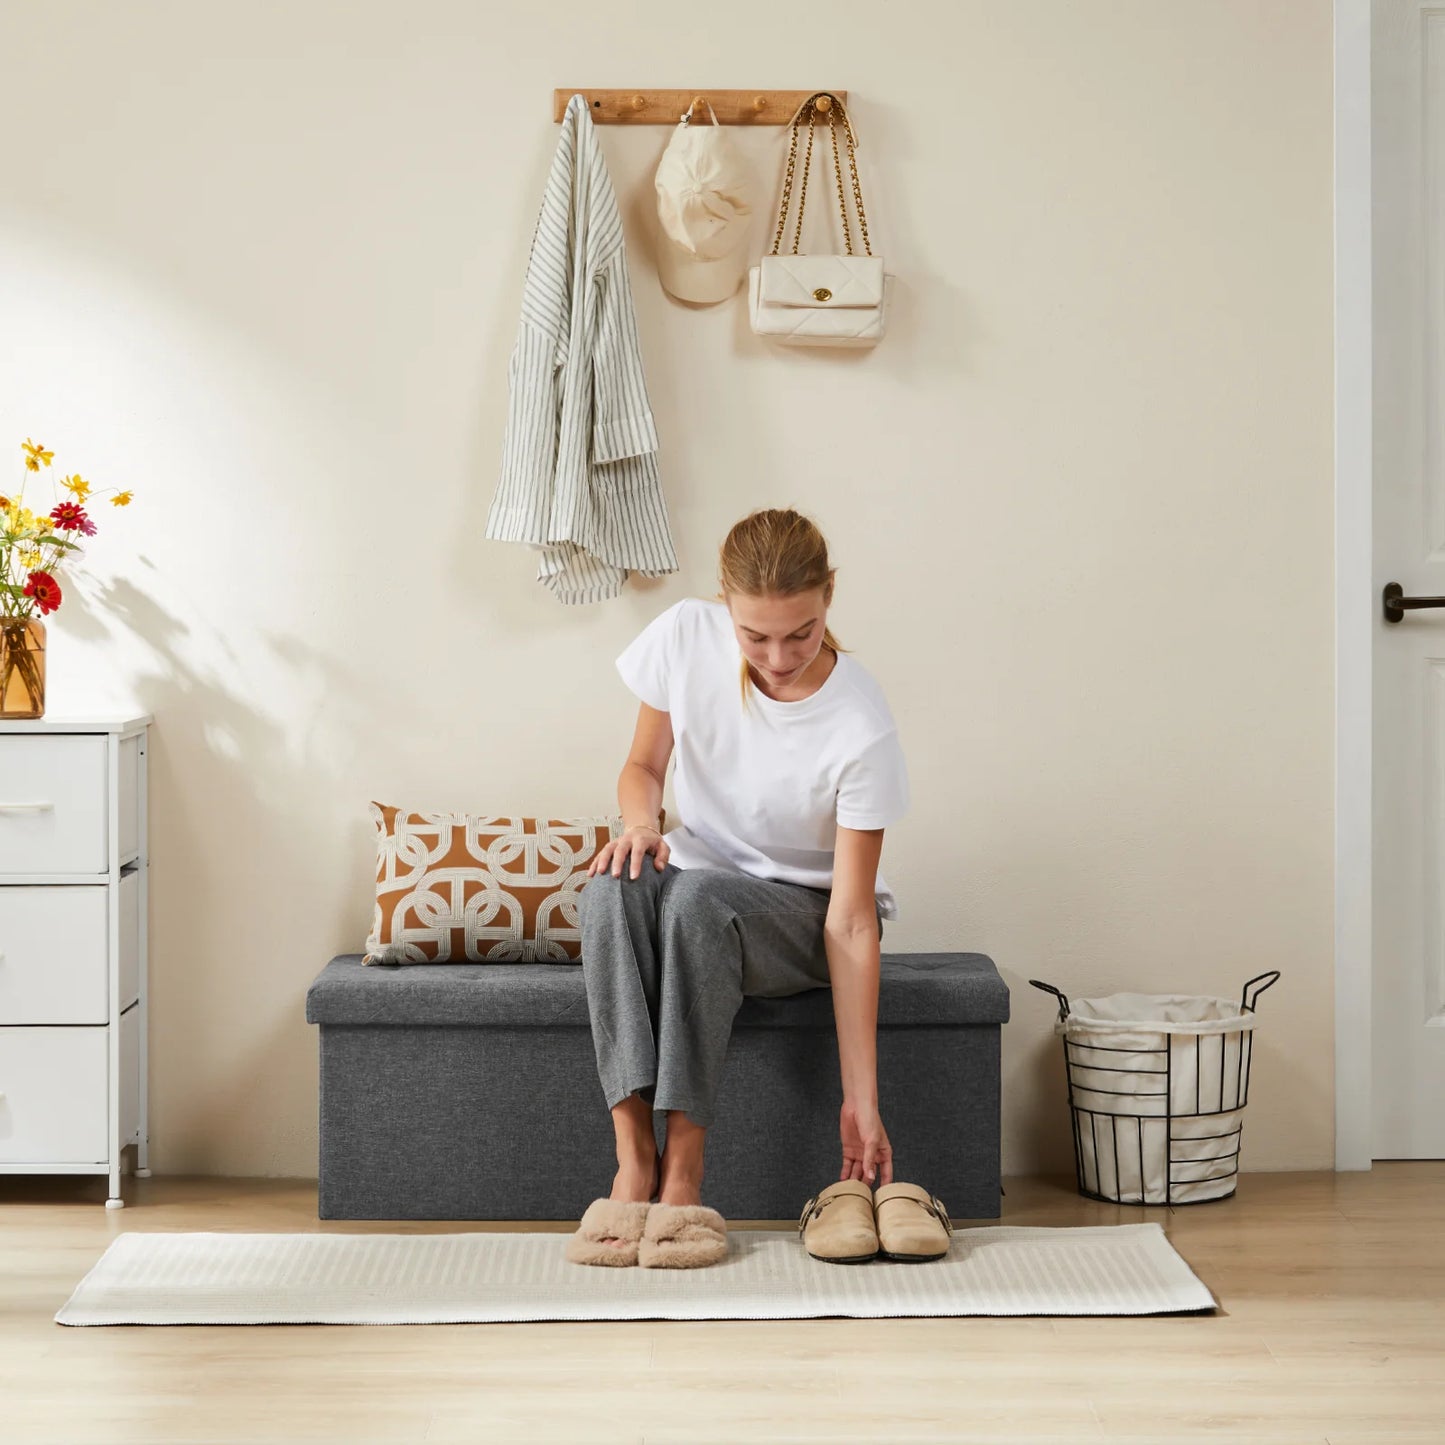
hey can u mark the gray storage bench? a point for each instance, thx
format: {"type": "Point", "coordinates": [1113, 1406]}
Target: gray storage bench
{"type": "Point", "coordinates": [470, 1091]}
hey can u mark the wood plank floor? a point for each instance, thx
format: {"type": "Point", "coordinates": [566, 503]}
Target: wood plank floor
{"type": "Point", "coordinates": [1332, 1330]}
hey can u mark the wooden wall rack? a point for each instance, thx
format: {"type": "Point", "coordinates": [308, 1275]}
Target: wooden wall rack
{"type": "Point", "coordinates": [666, 107]}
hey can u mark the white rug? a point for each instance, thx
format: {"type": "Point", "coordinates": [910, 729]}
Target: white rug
{"type": "Point", "coordinates": [407, 1279]}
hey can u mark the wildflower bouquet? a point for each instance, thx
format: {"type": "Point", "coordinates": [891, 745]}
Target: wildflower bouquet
{"type": "Point", "coordinates": [33, 548]}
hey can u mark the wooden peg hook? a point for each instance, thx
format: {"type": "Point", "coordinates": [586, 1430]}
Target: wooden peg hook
{"type": "Point", "coordinates": [662, 107]}
{"type": "Point", "coordinates": [824, 104]}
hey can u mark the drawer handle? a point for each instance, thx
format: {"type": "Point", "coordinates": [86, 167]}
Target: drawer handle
{"type": "Point", "coordinates": [26, 807]}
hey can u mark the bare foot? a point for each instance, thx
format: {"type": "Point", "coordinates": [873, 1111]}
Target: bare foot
{"type": "Point", "coordinates": [681, 1186]}
{"type": "Point", "coordinates": [636, 1183]}
{"type": "Point", "coordinates": [637, 1180]}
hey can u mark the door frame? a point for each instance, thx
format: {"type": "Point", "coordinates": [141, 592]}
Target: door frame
{"type": "Point", "coordinates": [1355, 603]}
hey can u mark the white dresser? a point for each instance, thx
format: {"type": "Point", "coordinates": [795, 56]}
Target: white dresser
{"type": "Point", "coordinates": [73, 946]}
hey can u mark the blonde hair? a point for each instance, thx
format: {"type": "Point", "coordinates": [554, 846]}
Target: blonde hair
{"type": "Point", "coordinates": [775, 553]}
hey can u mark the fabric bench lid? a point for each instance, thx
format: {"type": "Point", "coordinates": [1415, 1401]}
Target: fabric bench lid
{"type": "Point", "coordinates": [915, 990]}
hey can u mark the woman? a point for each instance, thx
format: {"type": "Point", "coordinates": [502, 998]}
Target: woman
{"type": "Point", "coordinates": [768, 887]}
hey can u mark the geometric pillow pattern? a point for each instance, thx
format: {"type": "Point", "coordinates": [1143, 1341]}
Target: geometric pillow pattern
{"type": "Point", "coordinates": [475, 888]}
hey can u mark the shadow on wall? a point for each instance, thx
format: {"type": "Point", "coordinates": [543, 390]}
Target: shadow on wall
{"type": "Point", "coordinates": [231, 851]}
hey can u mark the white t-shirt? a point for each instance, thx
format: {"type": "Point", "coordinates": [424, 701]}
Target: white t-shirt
{"type": "Point", "coordinates": [764, 791]}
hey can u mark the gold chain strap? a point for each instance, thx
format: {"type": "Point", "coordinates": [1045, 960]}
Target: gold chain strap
{"type": "Point", "coordinates": [857, 189]}
{"type": "Point", "coordinates": [803, 184]}
{"type": "Point", "coordinates": [838, 171]}
{"type": "Point", "coordinates": [810, 107]}
{"type": "Point", "coordinates": [787, 188]}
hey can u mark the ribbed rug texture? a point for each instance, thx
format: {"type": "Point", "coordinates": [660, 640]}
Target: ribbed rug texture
{"type": "Point", "coordinates": [188, 1278]}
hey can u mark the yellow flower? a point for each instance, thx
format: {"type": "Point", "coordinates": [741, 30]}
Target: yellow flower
{"type": "Point", "coordinates": [121, 499]}
{"type": "Point", "coordinates": [30, 558]}
{"type": "Point", "coordinates": [77, 486]}
{"type": "Point", "coordinates": [35, 455]}
{"type": "Point", "coordinates": [27, 524]}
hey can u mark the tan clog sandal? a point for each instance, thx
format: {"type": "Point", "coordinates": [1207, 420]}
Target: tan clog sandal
{"type": "Point", "coordinates": [837, 1224]}
{"type": "Point", "coordinates": [913, 1226]}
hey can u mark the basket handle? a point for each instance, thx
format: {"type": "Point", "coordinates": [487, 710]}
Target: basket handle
{"type": "Point", "coordinates": [1246, 1004]}
{"type": "Point", "coordinates": [1062, 998]}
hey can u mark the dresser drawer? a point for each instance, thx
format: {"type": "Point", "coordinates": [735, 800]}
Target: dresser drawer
{"type": "Point", "coordinates": [53, 793]}
{"type": "Point", "coordinates": [53, 1093]}
{"type": "Point", "coordinates": [53, 952]}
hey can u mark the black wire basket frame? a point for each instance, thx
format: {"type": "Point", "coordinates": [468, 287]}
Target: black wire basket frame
{"type": "Point", "coordinates": [1229, 1139]}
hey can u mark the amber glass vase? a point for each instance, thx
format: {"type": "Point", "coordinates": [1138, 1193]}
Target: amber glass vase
{"type": "Point", "coordinates": [22, 667]}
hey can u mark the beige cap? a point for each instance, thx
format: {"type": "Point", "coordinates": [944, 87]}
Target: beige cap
{"type": "Point", "coordinates": [704, 213]}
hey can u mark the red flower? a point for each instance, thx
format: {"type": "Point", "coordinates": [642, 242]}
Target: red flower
{"type": "Point", "coordinates": [44, 589]}
{"type": "Point", "coordinates": [68, 517]}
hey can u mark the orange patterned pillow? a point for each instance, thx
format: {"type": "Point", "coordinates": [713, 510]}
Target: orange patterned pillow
{"type": "Point", "coordinates": [470, 888]}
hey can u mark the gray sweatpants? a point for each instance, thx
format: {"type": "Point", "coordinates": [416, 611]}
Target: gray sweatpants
{"type": "Point", "coordinates": [667, 959]}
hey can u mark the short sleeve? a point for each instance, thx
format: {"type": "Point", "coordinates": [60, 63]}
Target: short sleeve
{"type": "Point", "coordinates": [873, 788]}
{"type": "Point", "coordinates": [647, 664]}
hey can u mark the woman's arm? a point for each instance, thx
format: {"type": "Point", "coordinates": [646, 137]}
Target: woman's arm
{"type": "Point", "coordinates": [850, 935]}
{"type": "Point", "coordinates": [640, 784]}
{"type": "Point", "coordinates": [639, 796]}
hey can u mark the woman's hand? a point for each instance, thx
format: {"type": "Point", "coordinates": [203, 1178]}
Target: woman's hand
{"type": "Point", "coordinates": [866, 1149]}
{"type": "Point", "coordinates": [629, 850]}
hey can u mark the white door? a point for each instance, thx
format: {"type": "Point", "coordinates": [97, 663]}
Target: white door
{"type": "Point", "coordinates": [1407, 76]}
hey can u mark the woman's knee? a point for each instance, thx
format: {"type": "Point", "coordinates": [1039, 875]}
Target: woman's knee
{"type": "Point", "coordinates": [598, 884]}
{"type": "Point", "coordinates": [605, 890]}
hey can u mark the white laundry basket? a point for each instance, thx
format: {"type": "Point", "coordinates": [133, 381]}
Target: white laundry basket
{"type": "Point", "coordinates": [1157, 1087]}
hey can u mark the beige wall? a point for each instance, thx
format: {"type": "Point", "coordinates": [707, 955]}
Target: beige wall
{"type": "Point", "coordinates": [263, 264]}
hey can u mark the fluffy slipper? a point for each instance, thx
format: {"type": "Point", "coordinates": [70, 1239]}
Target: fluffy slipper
{"type": "Point", "coordinates": [682, 1236]}
{"type": "Point", "coordinates": [609, 1233]}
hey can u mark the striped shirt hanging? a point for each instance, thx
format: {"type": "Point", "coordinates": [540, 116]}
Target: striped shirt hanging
{"type": "Point", "coordinates": [579, 462]}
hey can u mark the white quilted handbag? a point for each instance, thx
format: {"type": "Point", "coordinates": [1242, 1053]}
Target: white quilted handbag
{"type": "Point", "coordinates": [822, 299]}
